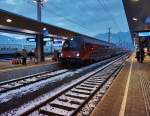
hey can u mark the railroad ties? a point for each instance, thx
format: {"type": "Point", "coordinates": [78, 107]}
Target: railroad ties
{"type": "Point", "coordinates": [16, 83]}
{"type": "Point", "coordinates": [70, 102]}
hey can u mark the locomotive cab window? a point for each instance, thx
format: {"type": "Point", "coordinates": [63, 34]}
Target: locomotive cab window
{"type": "Point", "coordinates": [72, 44]}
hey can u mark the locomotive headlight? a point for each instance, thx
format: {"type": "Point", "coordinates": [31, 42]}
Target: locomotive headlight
{"type": "Point", "coordinates": [77, 54]}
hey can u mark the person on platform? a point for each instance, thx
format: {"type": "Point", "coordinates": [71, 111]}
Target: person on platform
{"type": "Point", "coordinates": [138, 55]}
{"type": "Point", "coordinates": [18, 57]}
{"type": "Point", "coordinates": [24, 57]}
{"type": "Point", "coordinates": [56, 55]}
{"type": "Point", "coordinates": [142, 54]}
{"type": "Point", "coordinates": [35, 56]}
{"type": "Point", "coordinates": [31, 55]}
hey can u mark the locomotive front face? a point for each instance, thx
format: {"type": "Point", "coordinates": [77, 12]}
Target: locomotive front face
{"type": "Point", "coordinates": [71, 48]}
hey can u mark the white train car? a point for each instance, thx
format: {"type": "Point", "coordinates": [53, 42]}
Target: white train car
{"type": "Point", "coordinates": [9, 48]}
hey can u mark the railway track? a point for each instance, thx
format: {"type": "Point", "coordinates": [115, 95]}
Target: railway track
{"type": "Point", "coordinates": [24, 81]}
{"type": "Point", "coordinates": [30, 79]}
{"type": "Point", "coordinates": [69, 101]}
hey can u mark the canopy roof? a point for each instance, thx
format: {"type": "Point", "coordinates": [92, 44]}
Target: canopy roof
{"type": "Point", "coordinates": [26, 25]}
{"type": "Point", "coordinates": [138, 15]}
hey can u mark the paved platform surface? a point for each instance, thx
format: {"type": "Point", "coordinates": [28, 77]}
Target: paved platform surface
{"type": "Point", "coordinates": [129, 95]}
{"type": "Point", "coordinates": [7, 65]}
{"type": "Point", "coordinates": [9, 71]}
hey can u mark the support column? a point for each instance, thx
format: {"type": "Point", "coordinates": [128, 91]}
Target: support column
{"type": "Point", "coordinates": [40, 48]}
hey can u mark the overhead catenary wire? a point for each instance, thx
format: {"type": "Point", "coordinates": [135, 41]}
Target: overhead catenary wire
{"type": "Point", "coordinates": [68, 19]}
{"type": "Point", "coordinates": [111, 15]}
{"type": "Point", "coordinates": [103, 5]}
{"type": "Point", "coordinates": [115, 22]}
{"type": "Point", "coordinates": [60, 15]}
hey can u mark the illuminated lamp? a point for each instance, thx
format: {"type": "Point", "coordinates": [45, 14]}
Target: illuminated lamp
{"type": "Point", "coordinates": [8, 20]}
{"type": "Point", "coordinates": [135, 0]}
{"type": "Point", "coordinates": [134, 19]}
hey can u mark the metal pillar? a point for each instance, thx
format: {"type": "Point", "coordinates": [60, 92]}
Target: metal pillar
{"type": "Point", "coordinates": [39, 4]}
{"type": "Point", "coordinates": [109, 35]}
{"type": "Point", "coordinates": [39, 38]}
{"type": "Point", "coordinates": [40, 48]}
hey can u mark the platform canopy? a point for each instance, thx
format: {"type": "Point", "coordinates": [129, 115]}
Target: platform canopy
{"type": "Point", "coordinates": [138, 15]}
{"type": "Point", "coordinates": [16, 23]}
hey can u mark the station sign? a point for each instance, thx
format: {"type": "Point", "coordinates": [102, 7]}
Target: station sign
{"type": "Point", "coordinates": [144, 34]}
{"type": "Point", "coordinates": [31, 39]}
{"type": "Point", "coordinates": [57, 42]}
{"type": "Point", "coordinates": [47, 39]}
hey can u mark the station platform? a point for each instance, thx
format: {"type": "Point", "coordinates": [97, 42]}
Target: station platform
{"type": "Point", "coordinates": [7, 64]}
{"type": "Point", "coordinates": [9, 71]}
{"type": "Point", "coordinates": [129, 95]}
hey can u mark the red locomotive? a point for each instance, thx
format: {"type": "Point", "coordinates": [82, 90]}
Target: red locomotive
{"type": "Point", "coordinates": [81, 49]}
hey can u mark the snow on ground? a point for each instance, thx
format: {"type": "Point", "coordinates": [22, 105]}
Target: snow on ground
{"type": "Point", "coordinates": [5, 97]}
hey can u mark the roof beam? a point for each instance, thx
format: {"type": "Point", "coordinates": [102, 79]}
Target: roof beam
{"type": "Point", "coordinates": [29, 26]}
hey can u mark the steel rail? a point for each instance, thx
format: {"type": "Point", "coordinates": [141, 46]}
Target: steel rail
{"type": "Point", "coordinates": [69, 101]}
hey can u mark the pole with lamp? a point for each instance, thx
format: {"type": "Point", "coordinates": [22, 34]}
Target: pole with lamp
{"type": "Point", "coordinates": [39, 37]}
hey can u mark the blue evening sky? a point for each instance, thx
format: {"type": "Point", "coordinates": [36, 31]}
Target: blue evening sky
{"type": "Point", "coordinates": [89, 17]}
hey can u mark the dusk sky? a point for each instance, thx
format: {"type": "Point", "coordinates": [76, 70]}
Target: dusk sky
{"type": "Point", "coordinates": [88, 17]}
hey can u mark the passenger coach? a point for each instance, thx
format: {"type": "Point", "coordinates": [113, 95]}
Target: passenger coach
{"type": "Point", "coordinates": [84, 49]}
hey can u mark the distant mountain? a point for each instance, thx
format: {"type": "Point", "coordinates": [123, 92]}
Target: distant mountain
{"type": "Point", "coordinates": [123, 37]}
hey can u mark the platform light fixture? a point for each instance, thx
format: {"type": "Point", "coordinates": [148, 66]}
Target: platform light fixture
{"type": "Point", "coordinates": [44, 28]}
{"type": "Point", "coordinates": [134, 19]}
{"type": "Point", "coordinates": [135, 0]}
{"type": "Point", "coordinates": [71, 39]}
{"type": "Point", "coordinates": [42, 1]}
{"type": "Point", "coordinates": [8, 20]}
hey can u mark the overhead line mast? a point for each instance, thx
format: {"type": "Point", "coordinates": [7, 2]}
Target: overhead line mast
{"type": "Point", "coordinates": [39, 37]}
{"type": "Point", "coordinates": [39, 6]}
{"type": "Point", "coordinates": [109, 35]}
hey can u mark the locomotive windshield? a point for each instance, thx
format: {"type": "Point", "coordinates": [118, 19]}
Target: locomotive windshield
{"type": "Point", "coordinates": [72, 44]}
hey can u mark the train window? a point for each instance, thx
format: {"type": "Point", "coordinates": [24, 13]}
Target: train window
{"type": "Point", "coordinates": [66, 44]}
{"type": "Point", "coordinates": [72, 44]}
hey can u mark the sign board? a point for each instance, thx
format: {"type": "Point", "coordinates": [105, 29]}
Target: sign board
{"type": "Point", "coordinates": [58, 42]}
{"type": "Point", "coordinates": [31, 39]}
{"type": "Point", "coordinates": [47, 39]}
{"type": "Point", "coordinates": [143, 34]}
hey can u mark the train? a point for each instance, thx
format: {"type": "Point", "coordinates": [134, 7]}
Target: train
{"type": "Point", "coordinates": [81, 49]}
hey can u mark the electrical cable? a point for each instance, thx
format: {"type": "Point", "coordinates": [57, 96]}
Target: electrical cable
{"type": "Point", "coordinates": [105, 8]}
{"type": "Point", "coordinates": [59, 15]}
